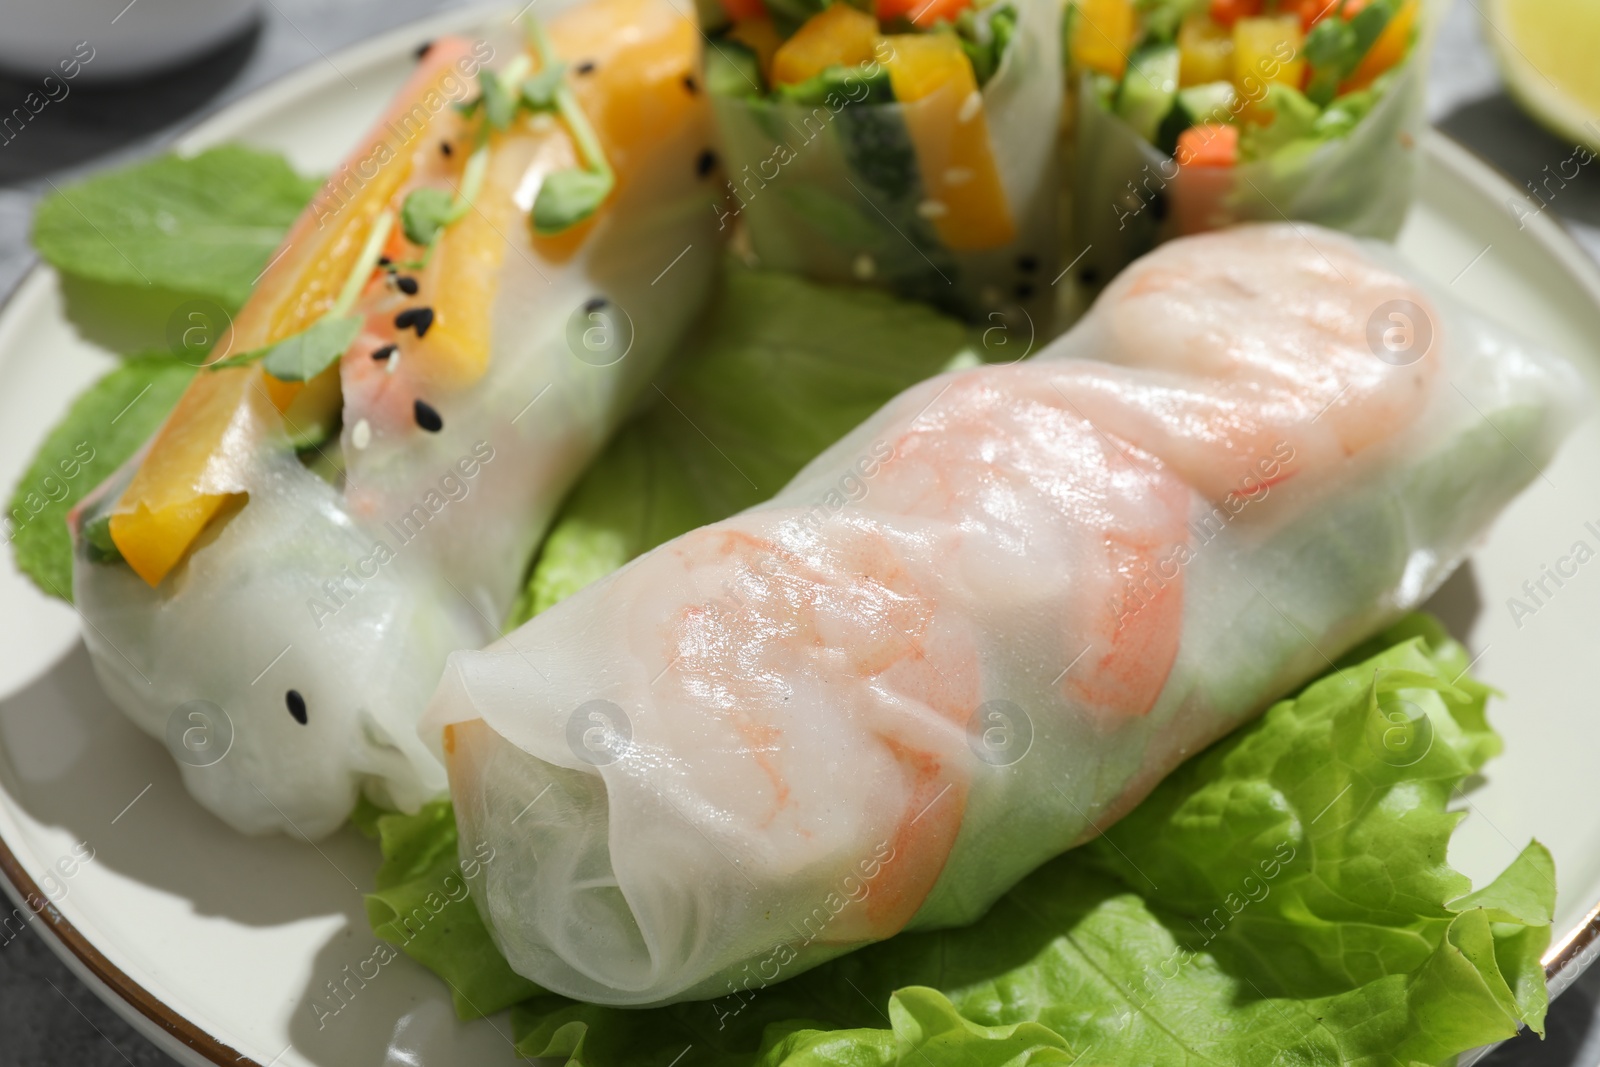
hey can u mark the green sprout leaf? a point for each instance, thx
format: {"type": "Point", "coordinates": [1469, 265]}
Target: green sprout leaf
{"type": "Point", "coordinates": [426, 212]}
{"type": "Point", "coordinates": [540, 91]}
{"type": "Point", "coordinates": [303, 356]}
{"type": "Point", "coordinates": [499, 107]}
{"type": "Point", "coordinates": [567, 197]}
{"type": "Point", "coordinates": [306, 355]}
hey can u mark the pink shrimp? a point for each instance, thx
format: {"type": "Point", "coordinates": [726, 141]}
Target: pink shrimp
{"type": "Point", "coordinates": [1257, 344]}
{"type": "Point", "coordinates": [769, 619]}
{"type": "Point", "coordinates": [1007, 455]}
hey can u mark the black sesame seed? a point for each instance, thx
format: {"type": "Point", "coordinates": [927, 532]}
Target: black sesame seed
{"type": "Point", "coordinates": [593, 304]}
{"type": "Point", "coordinates": [1027, 264]}
{"type": "Point", "coordinates": [418, 319]}
{"type": "Point", "coordinates": [1158, 206]}
{"type": "Point", "coordinates": [426, 417]}
{"type": "Point", "coordinates": [406, 285]}
{"type": "Point", "coordinates": [423, 48]}
{"type": "Point", "coordinates": [1024, 290]}
{"type": "Point", "coordinates": [385, 352]}
{"type": "Point", "coordinates": [1089, 275]}
{"type": "Point", "coordinates": [586, 67]}
{"type": "Point", "coordinates": [384, 261]}
{"type": "Point", "coordinates": [690, 84]}
{"type": "Point", "coordinates": [444, 146]}
{"type": "Point", "coordinates": [706, 163]}
{"type": "Point", "coordinates": [297, 705]}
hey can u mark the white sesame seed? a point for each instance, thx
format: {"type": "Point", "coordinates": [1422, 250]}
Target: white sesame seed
{"type": "Point", "coordinates": [957, 175]}
{"type": "Point", "coordinates": [361, 434]}
{"type": "Point", "coordinates": [865, 266]}
{"type": "Point", "coordinates": [932, 209]}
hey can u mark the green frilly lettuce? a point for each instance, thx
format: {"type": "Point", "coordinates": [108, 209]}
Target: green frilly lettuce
{"type": "Point", "coordinates": [1282, 898]}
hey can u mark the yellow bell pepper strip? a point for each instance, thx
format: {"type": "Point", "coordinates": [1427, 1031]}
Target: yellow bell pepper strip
{"type": "Point", "coordinates": [1266, 49]}
{"type": "Point", "coordinates": [1205, 51]}
{"type": "Point", "coordinates": [179, 487]}
{"type": "Point", "coordinates": [637, 96]}
{"type": "Point", "coordinates": [635, 90]}
{"type": "Point", "coordinates": [1103, 35]}
{"type": "Point", "coordinates": [934, 82]}
{"type": "Point", "coordinates": [1387, 51]}
{"type": "Point", "coordinates": [838, 36]}
{"type": "Point", "coordinates": [761, 37]}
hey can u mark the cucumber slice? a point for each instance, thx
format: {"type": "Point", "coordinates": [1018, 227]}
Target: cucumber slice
{"type": "Point", "coordinates": [313, 433]}
{"type": "Point", "coordinates": [1149, 89]}
{"type": "Point", "coordinates": [1195, 106]}
{"type": "Point", "coordinates": [732, 69]}
{"type": "Point", "coordinates": [97, 538]}
{"type": "Point", "coordinates": [1211, 102]}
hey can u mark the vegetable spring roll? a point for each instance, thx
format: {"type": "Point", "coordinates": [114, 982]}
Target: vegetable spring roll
{"type": "Point", "coordinates": [1191, 115]}
{"type": "Point", "coordinates": [446, 338]}
{"type": "Point", "coordinates": [984, 624]}
{"type": "Point", "coordinates": [909, 146]}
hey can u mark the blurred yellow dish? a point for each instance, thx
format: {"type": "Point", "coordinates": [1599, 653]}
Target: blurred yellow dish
{"type": "Point", "coordinates": [1546, 50]}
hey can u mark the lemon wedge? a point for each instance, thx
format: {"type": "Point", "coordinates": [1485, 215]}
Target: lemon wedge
{"type": "Point", "coordinates": [1545, 49]}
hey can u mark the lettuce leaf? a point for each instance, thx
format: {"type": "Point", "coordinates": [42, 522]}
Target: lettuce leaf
{"type": "Point", "coordinates": [421, 904]}
{"type": "Point", "coordinates": [106, 424]}
{"type": "Point", "coordinates": [206, 225]}
{"type": "Point", "coordinates": [1283, 897]}
{"type": "Point", "coordinates": [759, 392]}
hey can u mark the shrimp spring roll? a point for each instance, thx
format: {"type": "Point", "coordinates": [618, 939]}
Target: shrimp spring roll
{"type": "Point", "coordinates": [352, 488]}
{"type": "Point", "coordinates": [1192, 115]}
{"type": "Point", "coordinates": [983, 625]}
{"type": "Point", "coordinates": [908, 145]}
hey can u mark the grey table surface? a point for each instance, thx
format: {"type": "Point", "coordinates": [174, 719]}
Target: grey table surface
{"type": "Point", "coordinates": [47, 1017]}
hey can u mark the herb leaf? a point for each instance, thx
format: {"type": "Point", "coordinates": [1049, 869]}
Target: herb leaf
{"type": "Point", "coordinates": [426, 212]}
{"type": "Point", "coordinates": [567, 197]}
{"type": "Point", "coordinates": [302, 356]}
{"type": "Point", "coordinates": [539, 92]}
{"type": "Point", "coordinates": [305, 355]}
{"type": "Point", "coordinates": [499, 107]}
{"type": "Point", "coordinates": [205, 225]}
{"type": "Point", "coordinates": [105, 425]}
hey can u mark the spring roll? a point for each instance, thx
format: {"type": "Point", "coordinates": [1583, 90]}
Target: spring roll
{"type": "Point", "coordinates": [848, 713]}
{"type": "Point", "coordinates": [273, 585]}
{"type": "Point", "coordinates": [911, 149]}
{"type": "Point", "coordinates": [1183, 123]}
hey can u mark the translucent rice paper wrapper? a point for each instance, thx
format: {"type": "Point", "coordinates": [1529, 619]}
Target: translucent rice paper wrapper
{"type": "Point", "coordinates": [879, 700]}
{"type": "Point", "coordinates": [1127, 196]}
{"type": "Point", "coordinates": [353, 595]}
{"type": "Point", "coordinates": [836, 196]}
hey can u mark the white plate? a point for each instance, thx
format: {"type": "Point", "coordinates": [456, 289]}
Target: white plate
{"type": "Point", "coordinates": [216, 945]}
